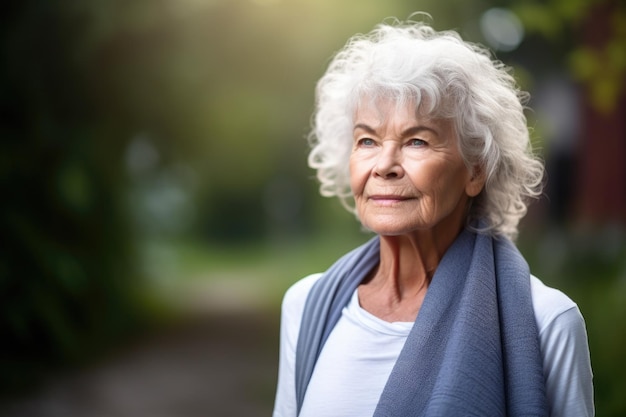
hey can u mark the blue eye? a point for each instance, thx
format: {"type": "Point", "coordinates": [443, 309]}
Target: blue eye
{"type": "Point", "coordinates": [366, 142]}
{"type": "Point", "coordinates": [417, 142]}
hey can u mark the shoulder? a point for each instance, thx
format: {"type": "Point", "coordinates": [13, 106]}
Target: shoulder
{"type": "Point", "coordinates": [298, 292]}
{"type": "Point", "coordinates": [295, 298]}
{"type": "Point", "coordinates": [565, 351]}
{"type": "Point", "coordinates": [291, 317]}
{"type": "Point", "coordinates": [549, 304]}
{"type": "Point", "coordinates": [560, 323]}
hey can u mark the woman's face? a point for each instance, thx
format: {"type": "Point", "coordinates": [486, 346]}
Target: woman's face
{"type": "Point", "coordinates": [406, 171]}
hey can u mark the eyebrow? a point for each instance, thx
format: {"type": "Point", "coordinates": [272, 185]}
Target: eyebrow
{"type": "Point", "coordinates": [407, 132]}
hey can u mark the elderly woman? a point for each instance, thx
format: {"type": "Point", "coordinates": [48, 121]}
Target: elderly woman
{"type": "Point", "coordinates": [424, 137]}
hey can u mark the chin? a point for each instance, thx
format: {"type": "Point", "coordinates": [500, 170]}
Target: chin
{"type": "Point", "coordinates": [389, 229]}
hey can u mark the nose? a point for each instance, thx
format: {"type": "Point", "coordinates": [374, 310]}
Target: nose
{"type": "Point", "coordinates": [388, 164]}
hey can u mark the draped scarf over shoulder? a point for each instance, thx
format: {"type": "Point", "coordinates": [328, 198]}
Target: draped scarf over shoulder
{"type": "Point", "coordinates": [473, 350]}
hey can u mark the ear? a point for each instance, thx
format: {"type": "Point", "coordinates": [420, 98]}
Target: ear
{"type": "Point", "coordinates": [476, 182]}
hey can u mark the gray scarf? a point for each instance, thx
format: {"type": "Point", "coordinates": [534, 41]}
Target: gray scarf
{"type": "Point", "coordinates": [474, 347]}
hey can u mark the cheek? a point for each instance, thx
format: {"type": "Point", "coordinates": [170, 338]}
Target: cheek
{"type": "Point", "coordinates": [441, 180]}
{"type": "Point", "coordinates": [451, 186]}
{"type": "Point", "coordinates": [357, 177]}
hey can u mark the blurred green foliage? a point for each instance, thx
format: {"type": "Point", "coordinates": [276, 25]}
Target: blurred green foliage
{"type": "Point", "coordinates": [127, 126]}
{"type": "Point", "coordinates": [67, 281]}
{"type": "Point", "coordinates": [592, 38]}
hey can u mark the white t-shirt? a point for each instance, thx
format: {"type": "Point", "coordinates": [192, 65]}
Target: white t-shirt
{"type": "Point", "coordinates": [358, 357]}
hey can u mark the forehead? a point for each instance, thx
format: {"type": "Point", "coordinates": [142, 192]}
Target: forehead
{"type": "Point", "coordinates": [384, 111]}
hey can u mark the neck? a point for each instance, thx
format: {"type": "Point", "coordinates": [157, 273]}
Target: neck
{"type": "Point", "coordinates": [396, 289]}
{"type": "Point", "coordinates": [411, 260]}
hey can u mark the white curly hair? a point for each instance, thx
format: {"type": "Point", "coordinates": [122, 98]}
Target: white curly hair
{"type": "Point", "coordinates": [444, 77]}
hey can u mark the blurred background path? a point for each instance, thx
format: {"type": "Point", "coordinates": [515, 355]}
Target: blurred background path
{"type": "Point", "coordinates": [223, 364]}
